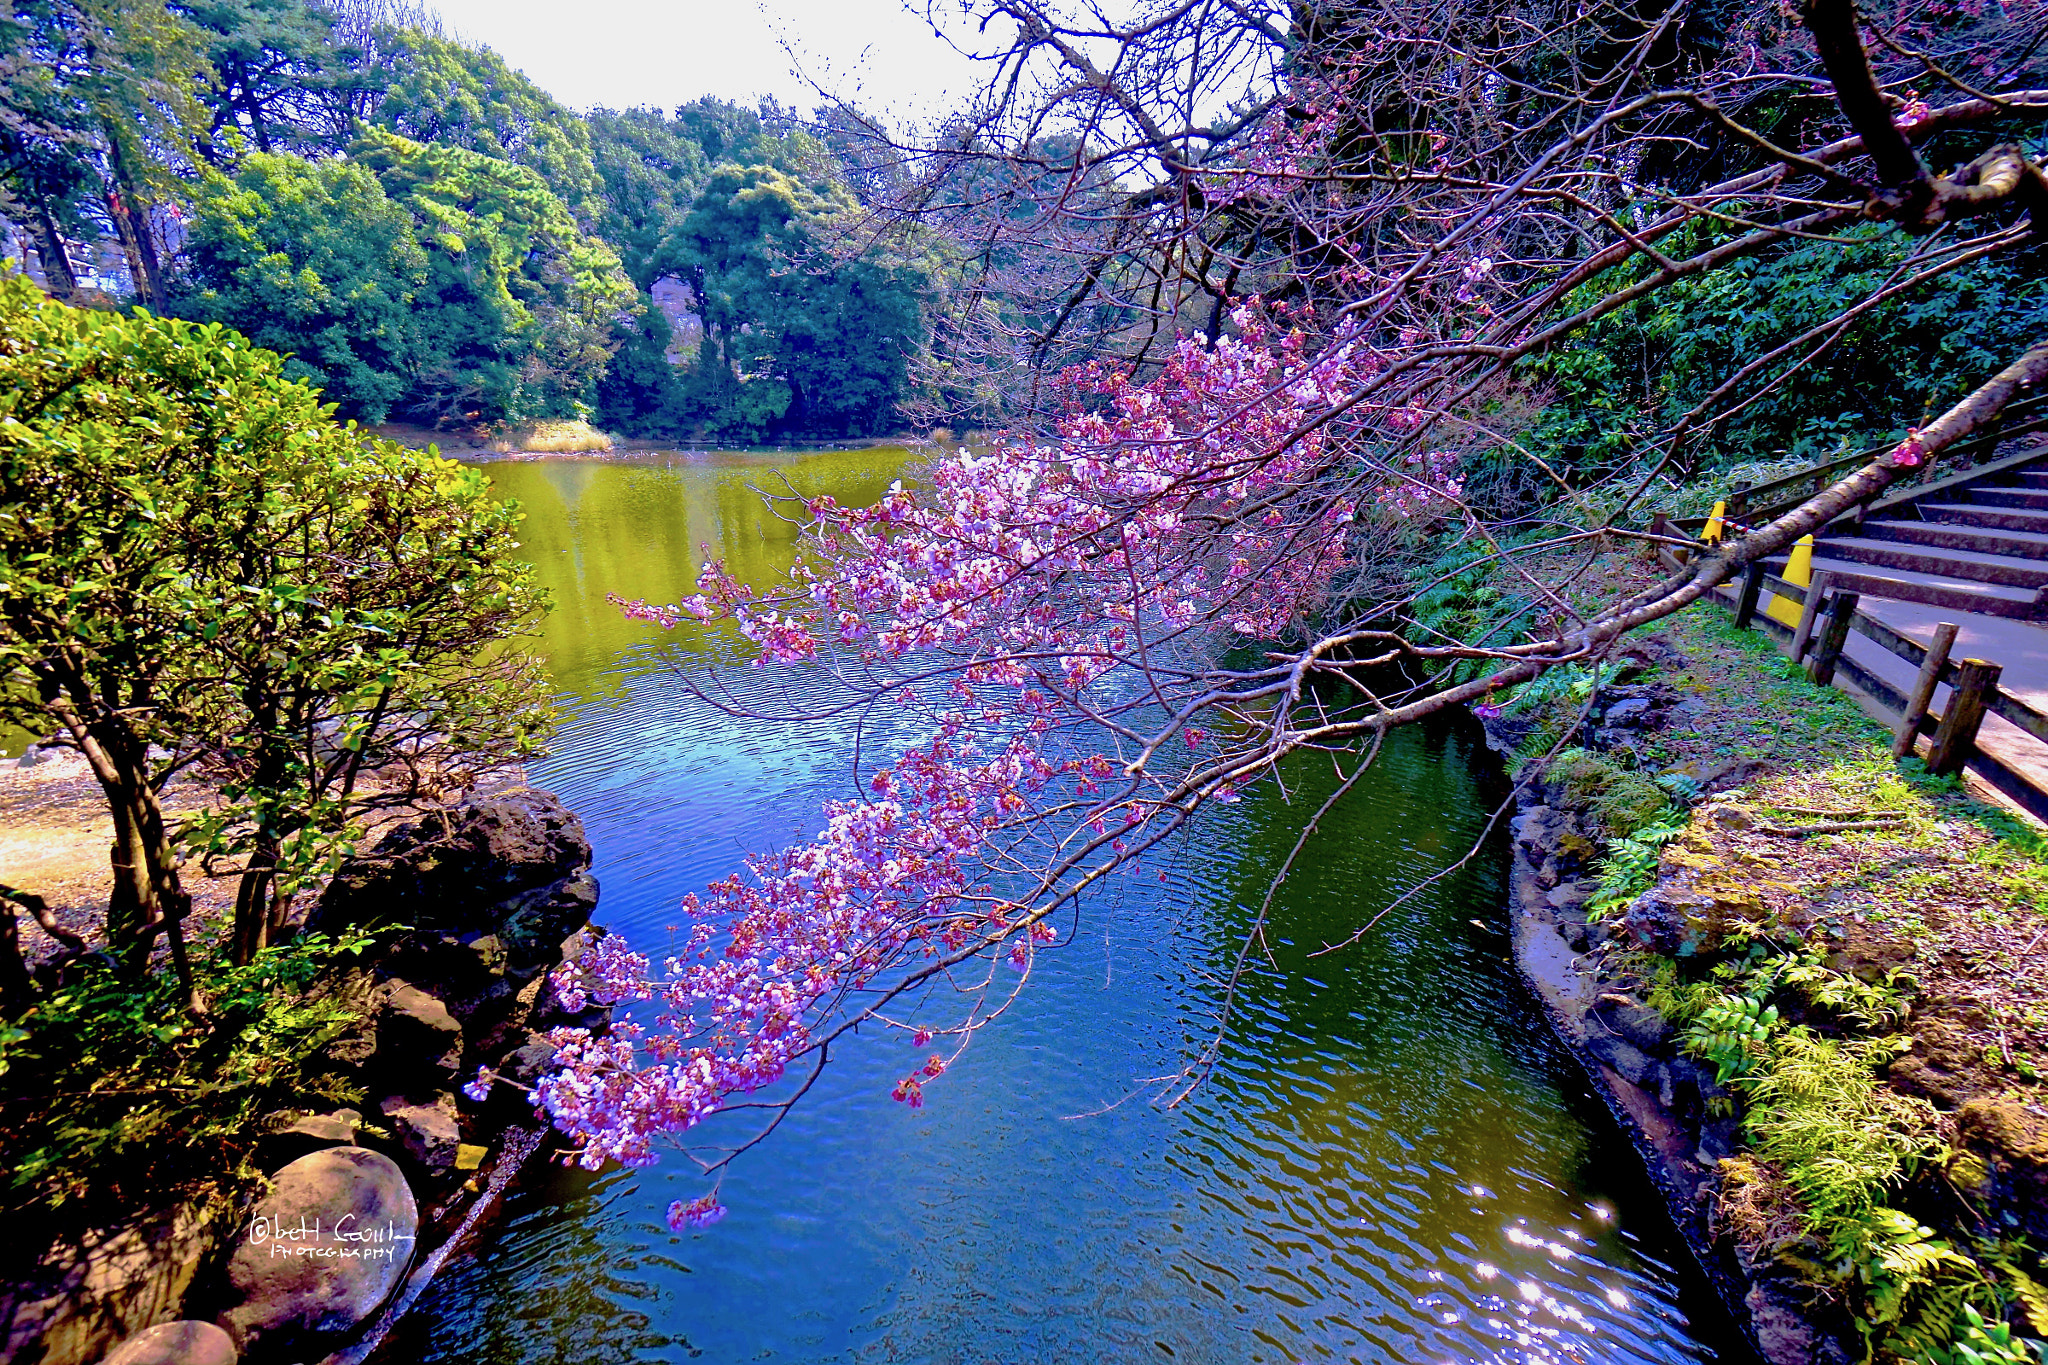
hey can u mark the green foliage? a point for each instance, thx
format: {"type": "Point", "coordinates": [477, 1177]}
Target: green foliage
{"type": "Point", "coordinates": [1982, 1343]}
{"type": "Point", "coordinates": [518, 316]}
{"type": "Point", "coordinates": [198, 565]}
{"type": "Point", "coordinates": [462, 97]}
{"type": "Point", "coordinates": [279, 78]}
{"type": "Point", "coordinates": [116, 1100]}
{"type": "Point", "coordinates": [1629, 866]}
{"type": "Point", "coordinates": [796, 337]}
{"type": "Point", "coordinates": [1641, 368]}
{"type": "Point", "coordinates": [1734, 1034]}
{"type": "Point", "coordinates": [310, 259]}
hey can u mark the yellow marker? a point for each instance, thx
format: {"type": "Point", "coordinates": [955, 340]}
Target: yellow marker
{"type": "Point", "coordinates": [1798, 571]}
{"type": "Point", "coordinates": [1712, 534]}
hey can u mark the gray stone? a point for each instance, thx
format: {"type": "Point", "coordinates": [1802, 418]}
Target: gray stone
{"type": "Point", "coordinates": [320, 1253]}
{"type": "Point", "coordinates": [1627, 1060]}
{"type": "Point", "coordinates": [1629, 712]}
{"type": "Point", "coordinates": [416, 1035]}
{"type": "Point", "coordinates": [1634, 1021]}
{"type": "Point", "coordinates": [426, 1127]}
{"type": "Point", "coordinates": [1730, 816]}
{"type": "Point", "coordinates": [449, 869]}
{"type": "Point", "coordinates": [527, 1064]}
{"type": "Point", "coordinates": [539, 920]}
{"type": "Point", "coordinates": [177, 1343]}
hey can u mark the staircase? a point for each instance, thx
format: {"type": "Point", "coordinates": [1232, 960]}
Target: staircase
{"type": "Point", "coordinates": [1977, 542]}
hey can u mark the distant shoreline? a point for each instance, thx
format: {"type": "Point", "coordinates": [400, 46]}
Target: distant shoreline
{"type": "Point", "coordinates": [472, 447]}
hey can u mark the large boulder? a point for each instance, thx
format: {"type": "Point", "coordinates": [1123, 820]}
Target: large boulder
{"type": "Point", "coordinates": [449, 869]}
{"type": "Point", "coordinates": [176, 1343]}
{"type": "Point", "coordinates": [320, 1253]}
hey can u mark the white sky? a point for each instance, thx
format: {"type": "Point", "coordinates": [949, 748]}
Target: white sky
{"type": "Point", "coordinates": [622, 53]}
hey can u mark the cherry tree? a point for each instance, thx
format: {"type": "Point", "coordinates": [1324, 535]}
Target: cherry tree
{"type": "Point", "coordinates": [1302, 254]}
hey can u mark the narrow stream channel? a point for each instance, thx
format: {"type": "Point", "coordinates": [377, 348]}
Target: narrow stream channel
{"type": "Point", "coordinates": [1390, 1164]}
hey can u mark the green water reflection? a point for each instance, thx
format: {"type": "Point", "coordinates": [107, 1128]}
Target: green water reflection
{"type": "Point", "coordinates": [642, 528]}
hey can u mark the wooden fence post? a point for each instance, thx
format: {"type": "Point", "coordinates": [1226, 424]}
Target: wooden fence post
{"type": "Point", "coordinates": [1660, 525]}
{"type": "Point", "coordinates": [1956, 739]}
{"type": "Point", "coordinates": [1922, 695]}
{"type": "Point", "coordinates": [1738, 501]}
{"type": "Point", "coordinates": [1815, 591]}
{"type": "Point", "coordinates": [1834, 638]}
{"type": "Point", "coordinates": [1752, 588]}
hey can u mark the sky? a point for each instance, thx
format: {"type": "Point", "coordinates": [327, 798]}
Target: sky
{"type": "Point", "coordinates": [621, 53]}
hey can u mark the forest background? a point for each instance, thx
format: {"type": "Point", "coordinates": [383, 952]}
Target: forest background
{"type": "Point", "coordinates": [431, 237]}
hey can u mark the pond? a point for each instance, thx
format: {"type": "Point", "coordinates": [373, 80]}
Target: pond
{"type": "Point", "coordinates": [1390, 1162]}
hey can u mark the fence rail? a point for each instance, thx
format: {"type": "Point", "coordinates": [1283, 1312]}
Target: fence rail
{"type": "Point", "coordinates": [1830, 612]}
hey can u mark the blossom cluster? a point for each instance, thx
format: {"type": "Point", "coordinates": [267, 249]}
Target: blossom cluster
{"type": "Point", "coordinates": [1217, 501]}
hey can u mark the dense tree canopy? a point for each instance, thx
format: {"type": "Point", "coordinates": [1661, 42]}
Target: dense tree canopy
{"type": "Point", "coordinates": [199, 566]}
{"type": "Point", "coordinates": [159, 126]}
{"type": "Point", "coordinates": [312, 259]}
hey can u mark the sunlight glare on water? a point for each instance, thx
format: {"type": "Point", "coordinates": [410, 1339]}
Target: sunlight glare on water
{"type": "Point", "coordinates": [1389, 1163]}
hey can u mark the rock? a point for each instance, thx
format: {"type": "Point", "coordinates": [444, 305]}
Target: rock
{"type": "Point", "coordinates": [2012, 1140]}
{"type": "Point", "coordinates": [539, 922]}
{"type": "Point", "coordinates": [84, 1296]}
{"type": "Point", "coordinates": [529, 1063]}
{"type": "Point", "coordinates": [1627, 1060]}
{"type": "Point", "coordinates": [416, 1035]}
{"type": "Point", "coordinates": [427, 1128]}
{"type": "Point", "coordinates": [1731, 816]}
{"type": "Point", "coordinates": [30, 757]}
{"type": "Point", "coordinates": [1633, 1020]}
{"type": "Point", "coordinates": [446, 869]}
{"type": "Point", "coordinates": [1627, 713]}
{"type": "Point", "coordinates": [1693, 906]}
{"type": "Point", "coordinates": [1789, 1324]}
{"type": "Point", "coordinates": [177, 1343]}
{"type": "Point", "coordinates": [295, 1134]}
{"type": "Point", "coordinates": [320, 1253]}
{"type": "Point", "coordinates": [1944, 1066]}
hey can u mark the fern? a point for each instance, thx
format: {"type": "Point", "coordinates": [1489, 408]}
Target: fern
{"type": "Point", "coordinates": [1629, 867]}
{"type": "Point", "coordinates": [1734, 1034]}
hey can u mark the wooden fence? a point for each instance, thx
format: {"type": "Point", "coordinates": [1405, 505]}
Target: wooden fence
{"type": "Point", "coordinates": [1829, 613]}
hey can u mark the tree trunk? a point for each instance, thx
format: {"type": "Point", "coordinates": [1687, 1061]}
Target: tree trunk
{"type": "Point", "coordinates": [62, 283]}
{"type": "Point", "coordinates": [253, 897]}
{"type": "Point", "coordinates": [128, 206]}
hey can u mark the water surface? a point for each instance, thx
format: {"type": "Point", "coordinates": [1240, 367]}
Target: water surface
{"type": "Point", "coordinates": [1389, 1164]}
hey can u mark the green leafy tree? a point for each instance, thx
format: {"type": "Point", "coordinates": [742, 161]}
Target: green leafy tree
{"type": "Point", "coordinates": [199, 566]}
{"type": "Point", "coordinates": [108, 88]}
{"type": "Point", "coordinates": [311, 259]}
{"type": "Point", "coordinates": [797, 337]}
{"type": "Point", "coordinates": [279, 76]}
{"type": "Point", "coordinates": [520, 313]}
{"type": "Point", "coordinates": [436, 90]}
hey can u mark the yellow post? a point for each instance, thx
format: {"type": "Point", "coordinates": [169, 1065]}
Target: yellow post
{"type": "Point", "coordinates": [1799, 571]}
{"type": "Point", "coordinates": [1712, 534]}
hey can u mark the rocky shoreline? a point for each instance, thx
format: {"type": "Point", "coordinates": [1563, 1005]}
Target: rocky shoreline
{"type": "Point", "coordinates": [1917, 884]}
{"type": "Point", "coordinates": [1661, 1100]}
{"type": "Point", "coordinates": [468, 911]}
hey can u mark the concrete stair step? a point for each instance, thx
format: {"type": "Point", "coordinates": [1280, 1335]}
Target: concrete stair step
{"type": "Point", "coordinates": [1954, 536]}
{"type": "Point", "coordinates": [2011, 497]}
{"type": "Point", "coordinates": [1990, 599]}
{"type": "Point", "coordinates": [1946, 562]}
{"type": "Point", "coordinates": [1975, 514]}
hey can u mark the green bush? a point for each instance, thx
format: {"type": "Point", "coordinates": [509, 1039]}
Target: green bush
{"type": "Point", "coordinates": [115, 1098]}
